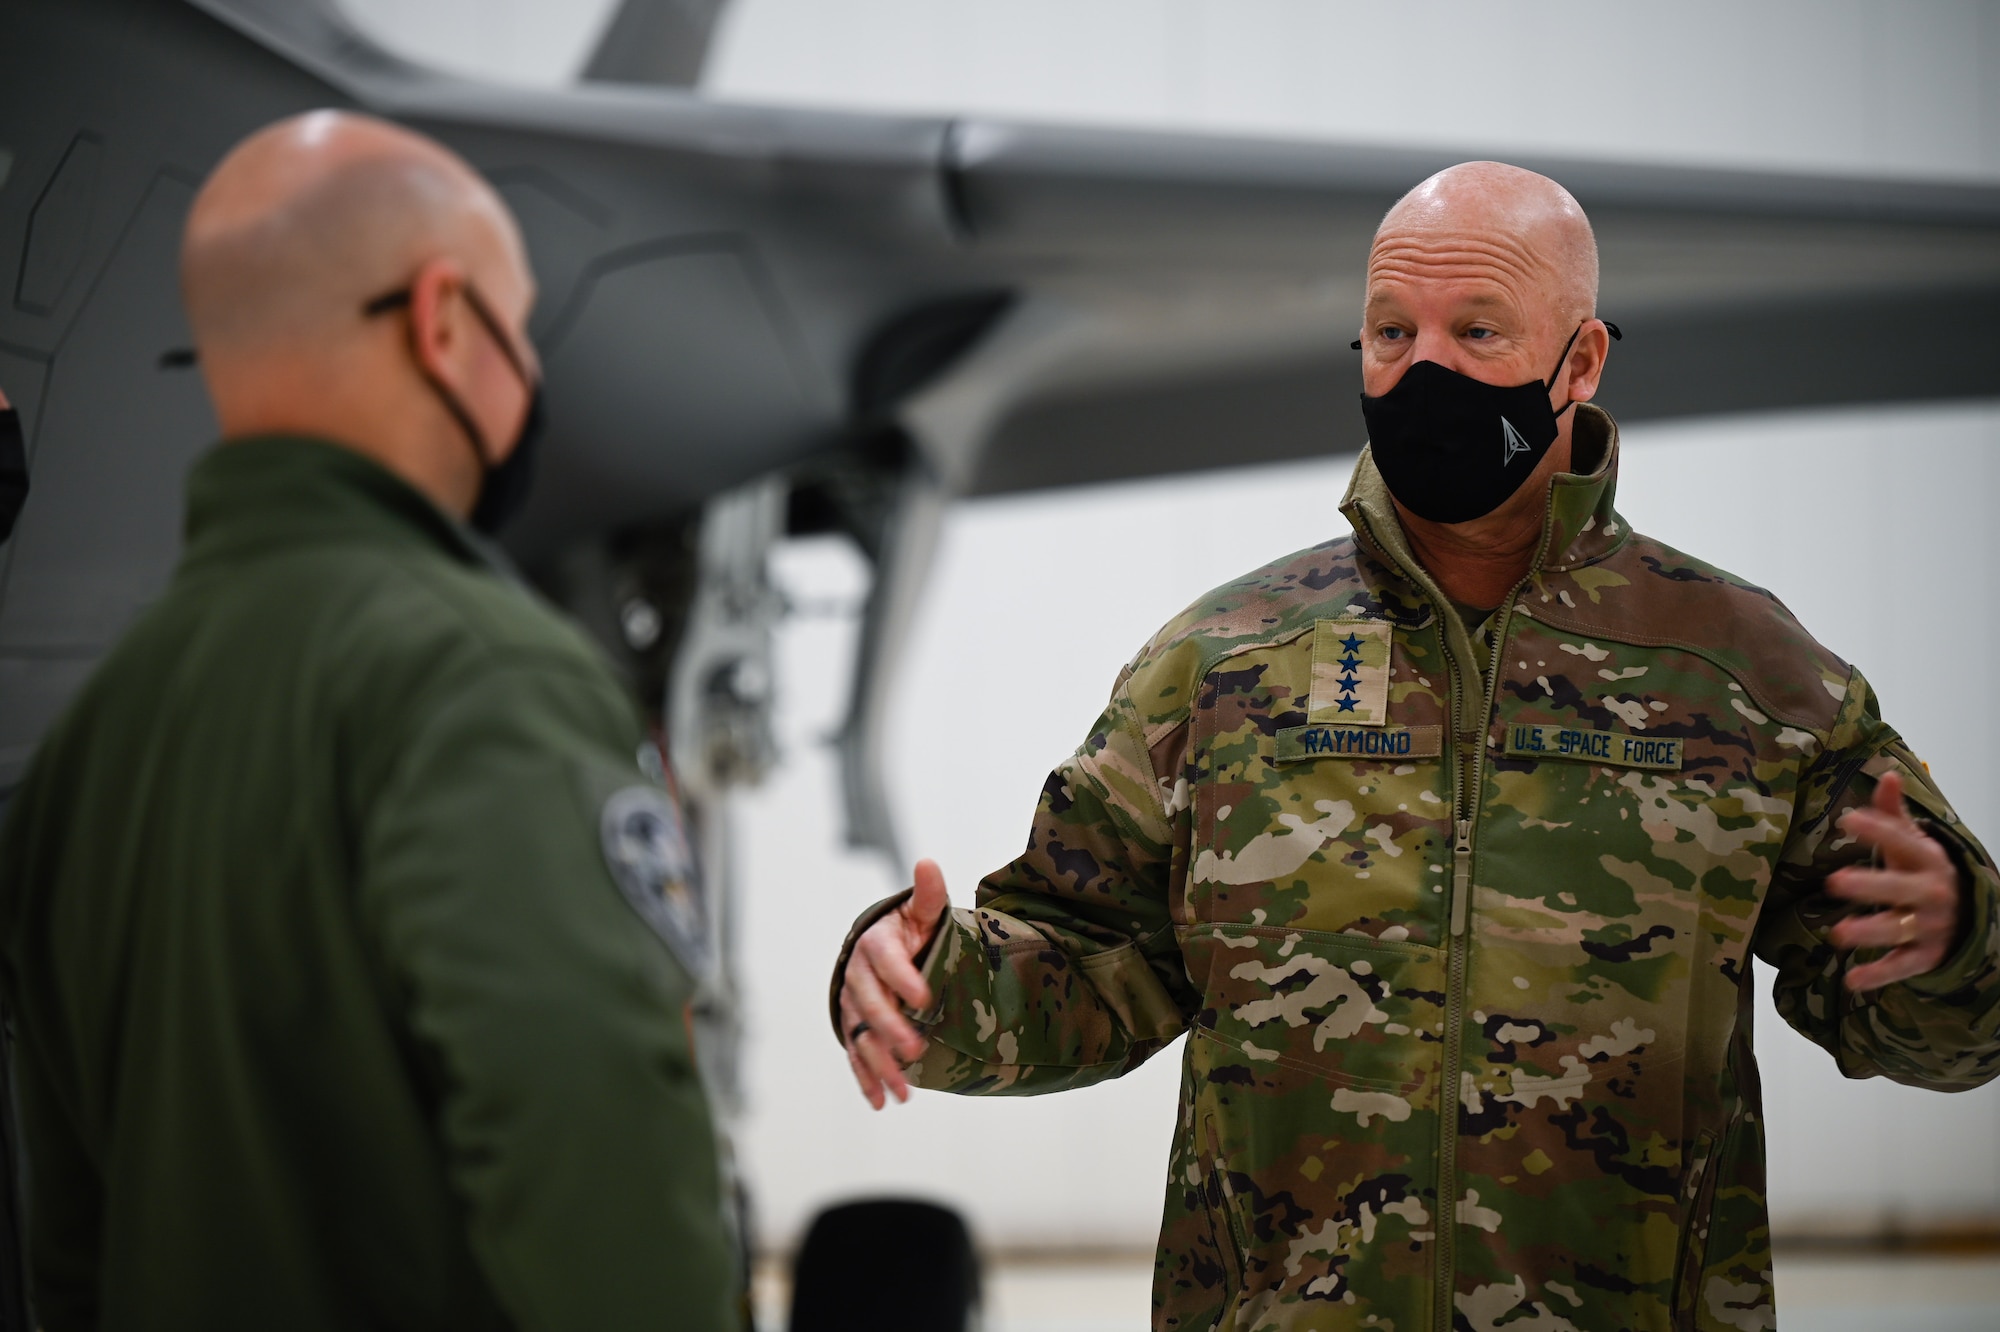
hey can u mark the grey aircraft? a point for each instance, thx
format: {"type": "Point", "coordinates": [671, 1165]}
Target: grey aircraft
{"type": "Point", "coordinates": [760, 323]}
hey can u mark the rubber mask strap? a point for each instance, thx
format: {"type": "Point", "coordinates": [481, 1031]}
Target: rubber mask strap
{"type": "Point", "coordinates": [1567, 347]}
{"type": "Point", "coordinates": [506, 344]}
{"type": "Point", "coordinates": [400, 299]}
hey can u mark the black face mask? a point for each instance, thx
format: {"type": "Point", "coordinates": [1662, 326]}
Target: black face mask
{"type": "Point", "coordinates": [13, 471]}
{"type": "Point", "coordinates": [1452, 448]}
{"type": "Point", "coordinates": [503, 490]}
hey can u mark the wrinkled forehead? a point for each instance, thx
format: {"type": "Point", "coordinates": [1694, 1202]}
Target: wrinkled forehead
{"type": "Point", "coordinates": [1469, 268]}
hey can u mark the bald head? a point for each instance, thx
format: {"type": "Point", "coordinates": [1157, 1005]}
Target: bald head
{"type": "Point", "coordinates": [296, 232]}
{"type": "Point", "coordinates": [1522, 221]}
{"type": "Point", "coordinates": [308, 218]}
{"type": "Point", "coordinates": [1489, 271]}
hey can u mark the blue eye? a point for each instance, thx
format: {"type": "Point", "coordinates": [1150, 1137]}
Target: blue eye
{"type": "Point", "coordinates": [1391, 334]}
{"type": "Point", "coordinates": [1479, 333]}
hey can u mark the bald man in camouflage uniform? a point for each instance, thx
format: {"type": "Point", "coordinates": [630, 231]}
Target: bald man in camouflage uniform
{"type": "Point", "coordinates": [1449, 845]}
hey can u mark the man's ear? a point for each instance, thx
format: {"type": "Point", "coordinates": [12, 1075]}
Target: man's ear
{"type": "Point", "coordinates": [437, 319]}
{"type": "Point", "coordinates": [1586, 360]}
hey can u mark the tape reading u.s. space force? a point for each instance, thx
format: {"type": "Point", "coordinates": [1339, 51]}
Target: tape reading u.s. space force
{"type": "Point", "coordinates": [1584, 746]}
{"type": "Point", "coordinates": [1384, 744]}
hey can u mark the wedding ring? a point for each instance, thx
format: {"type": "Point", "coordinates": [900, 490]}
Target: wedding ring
{"type": "Point", "coordinates": [1908, 922]}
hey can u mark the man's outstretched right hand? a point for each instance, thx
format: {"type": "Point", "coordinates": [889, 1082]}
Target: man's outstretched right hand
{"type": "Point", "coordinates": [882, 979]}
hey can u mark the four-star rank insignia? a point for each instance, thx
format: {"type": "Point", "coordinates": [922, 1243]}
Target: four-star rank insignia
{"type": "Point", "coordinates": [1350, 675]}
{"type": "Point", "coordinates": [646, 848]}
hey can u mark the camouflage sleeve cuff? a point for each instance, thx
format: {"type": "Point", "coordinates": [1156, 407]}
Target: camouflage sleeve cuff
{"type": "Point", "coordinates": [861, 924]}
{"type": "Point", "coordinates": [1975, 952]}
{"type": "Point", "coordinates": [940, 960]}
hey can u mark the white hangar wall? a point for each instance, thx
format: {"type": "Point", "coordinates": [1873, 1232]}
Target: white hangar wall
{"type": "Point", "coordinates": [1895, 86]}
{"type": "Point", "coordinates": [1875, 526]}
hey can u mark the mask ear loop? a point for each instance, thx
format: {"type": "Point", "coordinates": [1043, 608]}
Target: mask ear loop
{"type": "Point", "coordinates": [400, 300]}
{"type": "Point", "coordinates": [532, 384]}
{"type": "Point", "coordinates": [500, 338]}
{"type": "Point", "coordinates": [1567, 348]}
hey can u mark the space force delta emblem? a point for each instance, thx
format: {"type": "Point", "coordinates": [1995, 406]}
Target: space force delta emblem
{"type": "Point", "coordinates": [1350, 672]}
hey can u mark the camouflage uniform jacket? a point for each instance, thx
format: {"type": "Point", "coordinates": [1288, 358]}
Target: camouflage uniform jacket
{"type": "Point", "coordinates": [1463, 953]}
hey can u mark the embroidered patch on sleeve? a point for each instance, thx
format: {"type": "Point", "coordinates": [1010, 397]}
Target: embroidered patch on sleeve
{"type": "Point", "coordinates": [647, 851]}
{"type": "Point", "coordinates": [1350, 672]}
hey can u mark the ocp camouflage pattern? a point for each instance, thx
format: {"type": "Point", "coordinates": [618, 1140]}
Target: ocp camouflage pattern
{"type": "Point", "coordinates": [1549, 1120]}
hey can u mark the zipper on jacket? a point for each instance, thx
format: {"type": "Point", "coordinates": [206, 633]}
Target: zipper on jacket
{"type": "Point", "coordinates": [1468, 772]}
{"type": "Point", "coordinates": [1461, 876]}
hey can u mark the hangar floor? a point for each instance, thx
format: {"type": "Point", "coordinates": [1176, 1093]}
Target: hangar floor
{"type": "Point", "coordinates": [1819, 1291]}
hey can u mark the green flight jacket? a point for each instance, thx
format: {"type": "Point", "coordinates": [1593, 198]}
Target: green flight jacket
{"type": "Point", "coordinates": [331, 1011]}
{"type": "Point", "coordinates": [1464, 955]}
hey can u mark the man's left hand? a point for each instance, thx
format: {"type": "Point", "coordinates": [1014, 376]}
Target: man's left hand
{"type": "Point", "coordinates": [1914, 887]}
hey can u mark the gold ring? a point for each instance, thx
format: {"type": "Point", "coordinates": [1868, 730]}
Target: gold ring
{"type": "Point", "coordinates": [1908, 922]}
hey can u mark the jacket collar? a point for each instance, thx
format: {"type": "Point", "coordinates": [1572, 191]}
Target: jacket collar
{"type": "Point", "coordinates": [268, 491]}
{"type": "Point", "coordinates": [1579, 525]}
{"type": "Point", "coordinates": [1578, 528]}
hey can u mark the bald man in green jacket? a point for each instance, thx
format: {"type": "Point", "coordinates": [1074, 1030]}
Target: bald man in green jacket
{"type": "Point", "coordinates": [348, 945]}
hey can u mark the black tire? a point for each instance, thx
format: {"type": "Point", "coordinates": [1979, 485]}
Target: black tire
{"type": "Point", "coordinates": [886, 1265]}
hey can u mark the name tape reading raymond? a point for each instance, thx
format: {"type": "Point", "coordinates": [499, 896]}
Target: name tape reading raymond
{"type": "Point", "coordinates": [1607, 747]}
{"type": "Point", "coordinates": [1383, 743]}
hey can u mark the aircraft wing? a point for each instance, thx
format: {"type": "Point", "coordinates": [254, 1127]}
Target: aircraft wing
{"type": "Point", "coordinates": [1737, 290]}
{"type": "Point", "coordinates": [884, 312]}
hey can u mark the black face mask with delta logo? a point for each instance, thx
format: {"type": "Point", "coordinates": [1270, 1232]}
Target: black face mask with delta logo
{"type": "Point", "coordinates": [1452, 448]}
